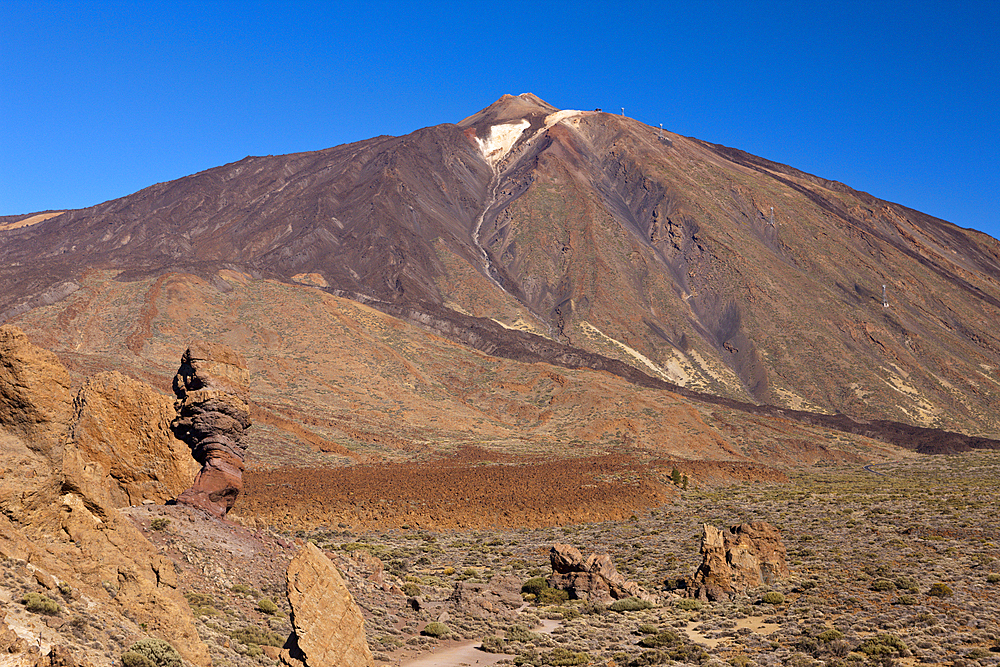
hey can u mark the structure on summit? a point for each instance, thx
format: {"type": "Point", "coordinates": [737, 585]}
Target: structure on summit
{"type": "Point", "coordinates": [212, 416]}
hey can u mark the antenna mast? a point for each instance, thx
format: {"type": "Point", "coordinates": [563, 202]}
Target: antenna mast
{"type": "Point", "coordinates": [885, 303]}
{"type": "Point", "coordinates": [770, 220]}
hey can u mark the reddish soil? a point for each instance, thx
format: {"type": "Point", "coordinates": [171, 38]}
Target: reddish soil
{"type": "Point", "coordinates": [469, 490]}
{"type": "Point", "coordinates": [474, 489]}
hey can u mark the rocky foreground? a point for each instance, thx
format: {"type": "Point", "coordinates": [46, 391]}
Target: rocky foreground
{"type": "Point", "coordinates": [835, 565]}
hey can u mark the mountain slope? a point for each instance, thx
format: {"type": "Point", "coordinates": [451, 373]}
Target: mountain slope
{"type": "Point", "coordinates": [592, 230]}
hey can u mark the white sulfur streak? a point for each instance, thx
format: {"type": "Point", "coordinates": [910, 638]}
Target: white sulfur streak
{"type": "Point", "coordinates": [502, 138]}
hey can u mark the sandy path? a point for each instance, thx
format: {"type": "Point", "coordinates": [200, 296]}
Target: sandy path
{"type": "Point", "coordinates": [468, 653]}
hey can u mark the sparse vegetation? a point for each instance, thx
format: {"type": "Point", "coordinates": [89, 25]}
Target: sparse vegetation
{"type": "Point", "coordinates": [267, 606]}
{"type": "Point", "coordinates": [630, 604]}
{"type": "Point", "coordinates": [435, 629]}
{"type": "Point", "coordinates": [40, 604]}
{"type": "Point", "coordinates": [151, 652]}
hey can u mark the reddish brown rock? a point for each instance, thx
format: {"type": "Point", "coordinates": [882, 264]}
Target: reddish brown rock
{"type": "Point", "coordinates": [595, 578]}
{"type": "Point", "coordinates": [212, 415]}
{"type": "Point", "coordinates": [747, 556]}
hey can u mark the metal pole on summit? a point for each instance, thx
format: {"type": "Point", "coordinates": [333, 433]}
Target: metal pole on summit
{"type": "Point", "coordinates": [623, 111]}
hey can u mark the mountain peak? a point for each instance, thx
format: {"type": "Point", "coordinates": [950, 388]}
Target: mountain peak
{"type": "Point", "coordinates": [509, 108]}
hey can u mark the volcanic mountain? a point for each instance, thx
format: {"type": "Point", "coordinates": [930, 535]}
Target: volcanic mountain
{"type": "Point", "coordinates": [578, 238]}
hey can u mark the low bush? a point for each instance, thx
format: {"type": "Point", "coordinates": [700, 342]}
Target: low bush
{"type": "Point", "coordinates": [660, 640]}
{"type": "Point", "coordinates": [159, 524]}
{"type": "Point", "coordinates": [435, 629]}
{"type": "Point", "coordinates": [884, 646]}
{"type": "Point", "coordinates": [151, 652]}
{"type": "Point", "coordinates": [772, 597]}
{"type": "Point", "coordinates": [252, 634]}
{"type": "Point", "coordinates": [410, 589]}
{"type": "Point", "coordinates": [494, 645]}
{"type": "Point", "coordinates": [534, 585]}
{"type": "Point", "coordinates": [689, 604]}
{"type": "Point", "coordinates": [551, 596]}
{"type": "Point", "coordinates": [940, 590]}
{"type": "Point", "coordinates": [993, 578]}
{"type": "Point", "coordinates": [40, 604]}
{"type": "Point", "coordinates": [630, 604]}
{"type": "Point", "coordinates": [267, 606]}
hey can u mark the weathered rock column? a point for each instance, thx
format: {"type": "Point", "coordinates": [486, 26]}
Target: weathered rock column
{"type": "Point", "coordinates": [212, 416]}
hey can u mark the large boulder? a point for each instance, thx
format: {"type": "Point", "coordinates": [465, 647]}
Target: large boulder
{"type": "Point", "coordinates": [144, 462]}
{"type": "Point", "coordinates": [212, 415]}
{"type": "Point", "coordinates": [329, 630]}
{"type": "Point", "coordinates": [594, 578]}
{"type": "Point", "coordinates": [746, 556]}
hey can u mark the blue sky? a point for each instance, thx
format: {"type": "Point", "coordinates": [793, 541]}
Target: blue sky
{"type": "Point", "coordinates": [98, 100]}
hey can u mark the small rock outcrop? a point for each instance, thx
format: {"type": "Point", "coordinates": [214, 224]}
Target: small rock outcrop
{"type": "Point", "coordinates": [212, 415]}
{"type": "Point", "coordinates": [595, 578]}
{"type": "Point", "coordinates": [498, 599]}
{"type": "Point", "coordinates": [747, 556]}
{"type": "Point", "coordinates": [327, 624]}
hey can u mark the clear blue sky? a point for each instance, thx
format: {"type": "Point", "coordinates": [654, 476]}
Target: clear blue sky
{"type": "Point", "coordinates": [900, 99]}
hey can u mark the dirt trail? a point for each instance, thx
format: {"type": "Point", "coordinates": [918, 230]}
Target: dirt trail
{"type": "Point", "coordinates": [468, 653]}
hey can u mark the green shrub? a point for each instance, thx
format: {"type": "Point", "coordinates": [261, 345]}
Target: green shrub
{"type": "Point", "coordinates": [772, 597]}
{"type": "Point", "coordinates": [884, 646]}
{"type": "Point", "coordinates": [159, 524]}
{"type": "Point", "coordinates": [940, 590]}
{"type": "Point", "coordinates": [252, 634]}
{"type": "Point", "coordinates": [519, 633]}
{"type": "Point", "coordinates": [740, 660]}
{"type": "Point", "coordinates": [883, 585]}
{"type": "Point", "coordinates": [830, 635]}
{"type": "Point", "coordinates": [40, 604]}
{"type": "Point", "coordinates": [493, 644]}
{"type": "Point", "coordinates": [907, 584]}
{"type": "Point", "coordinates": [993, 578]}
{"type": "Point", "coordinates": [689, 604]}
{"type": "Point", "coordinates": [534, 585]}
{"type": "Point", "coordinates": [551, 596]}
{"type": "Point", "coordinates": [647, 629]}
{"type": "Point", "coordinates": [630, 604]}
{"type": "Point", "coordinates": [155, 653]}
{"type": "Point", "coordinates": [201, 604]}
{"type": "Point", "coordinates": [133, 659]}
{"type": "Point", "coordinates": [410, 589]}
{"type": "Point", "coordinates": [435, 629]}
{"type": "Point", "coordinates": [267, 606]}
{"type": "Point", "coordinates": [648, 658]}
{"type": "Point", "coordinates": [660, 640]}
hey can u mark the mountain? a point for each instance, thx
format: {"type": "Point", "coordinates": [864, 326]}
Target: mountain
{"type": "Point", "coordinates": [577, 238]}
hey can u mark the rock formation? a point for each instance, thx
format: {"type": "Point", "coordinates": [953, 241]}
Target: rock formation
{"type": "Point", "coordinates": [55, 515]}
{"type": "Point", "coordinates": [329, 629]}
{"type": "Point", "coordinates": [747, 556]}
{"type": "Point", "coordinates": [595, 578]}
{"type": "Point", "coordinates": [498, 599]}
{"type": "Point", "coordinates": [212, 415]}
{"type": "Point", "coordinates": [146, 462]}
